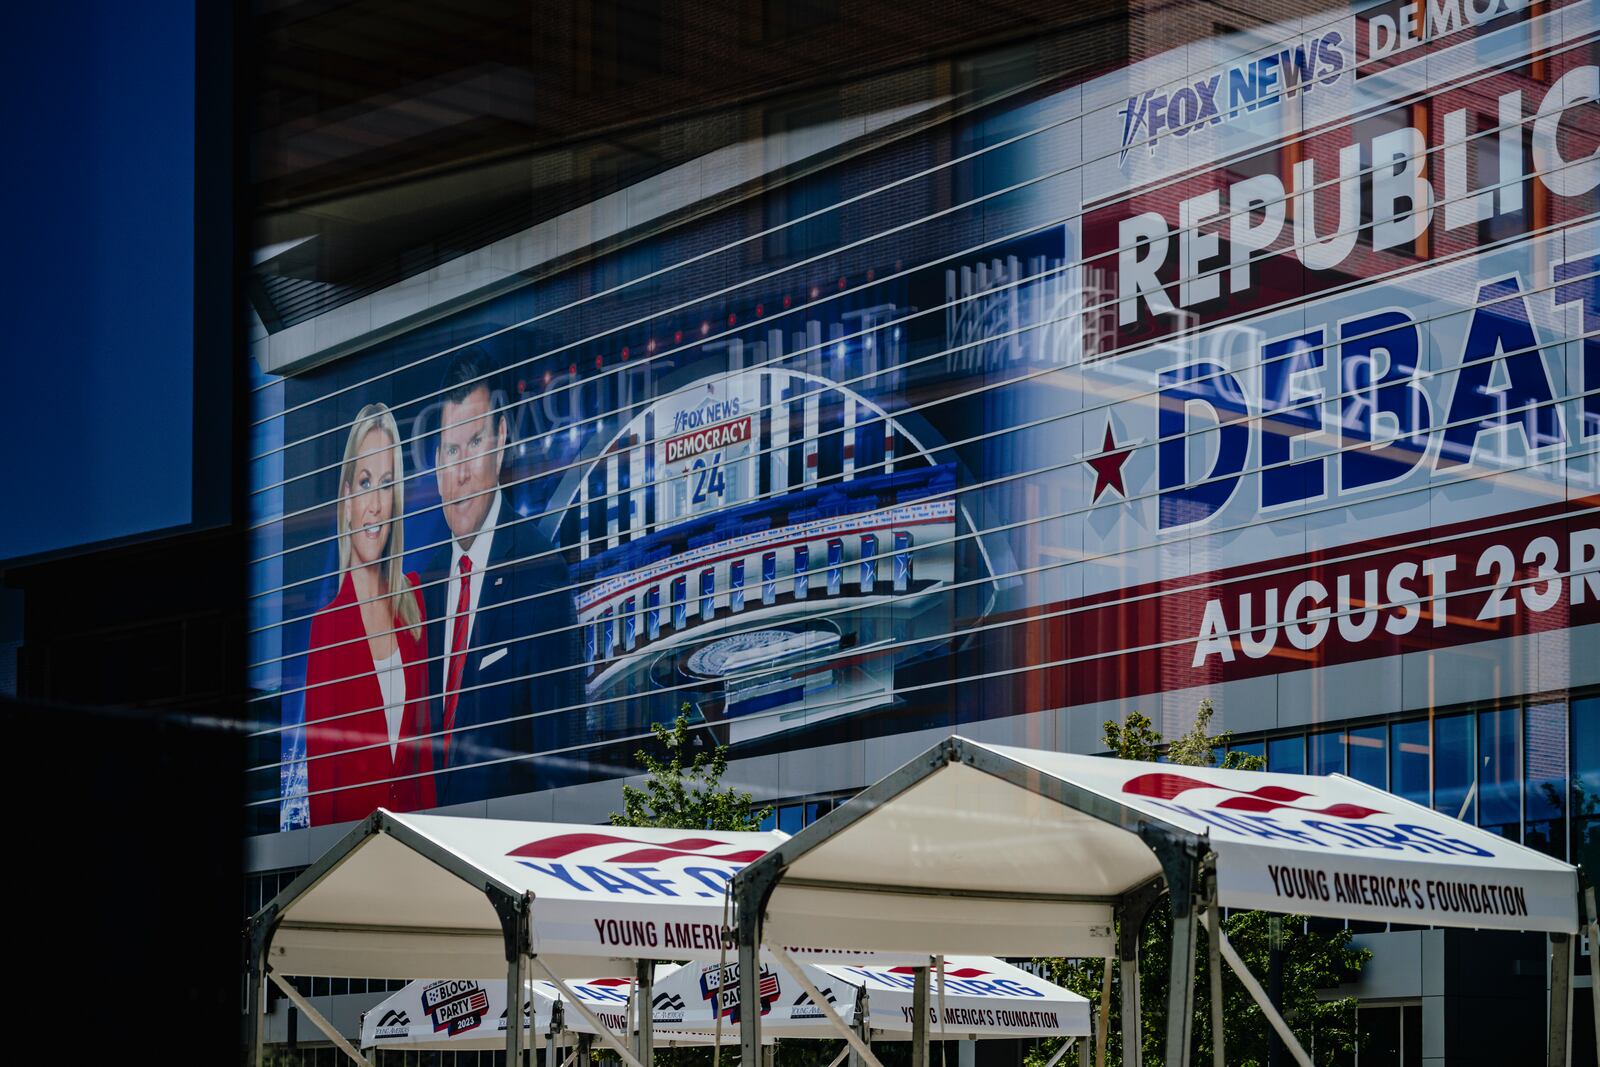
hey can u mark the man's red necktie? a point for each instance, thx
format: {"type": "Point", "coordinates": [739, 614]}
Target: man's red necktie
{"type": "Point", "coordinates": [458, 654]}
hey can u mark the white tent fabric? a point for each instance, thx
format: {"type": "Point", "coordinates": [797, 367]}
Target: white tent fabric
{"type": "Point", "coordinates": [987, 848]}
{"type": "Point", "coordinates": [471, 1014]}
{"type": "Point", "coordinates": [404, 895]}
{"type": "Point", "coordinates": [1022, 852]}
{"type": "Point", "coordinates": [983, 998]}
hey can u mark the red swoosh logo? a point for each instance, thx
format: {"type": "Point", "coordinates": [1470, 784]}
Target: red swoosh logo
{"type": "Point", "coordinates": [959, 972]}
{"type": "Point", "coordinates": [553, 848]}
{"type": "Point", "coordinates": [1165, 786]}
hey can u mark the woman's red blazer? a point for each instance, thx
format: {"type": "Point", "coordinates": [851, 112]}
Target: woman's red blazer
{"type": "Point", "coordinates": [340, 679]}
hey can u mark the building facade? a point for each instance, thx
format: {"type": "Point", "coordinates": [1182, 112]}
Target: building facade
{"type": "Point", "coordinates": [1220, 355]}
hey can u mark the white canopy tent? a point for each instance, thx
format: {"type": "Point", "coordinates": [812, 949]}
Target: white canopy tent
{"type": "Point", "coordinates": [407, 895]}
{"type": "Point", "coordinates": [470, 1014]}
{"type": "Point", "coordinates": [933, 859]}
{"type": "Point", "coordinates": [982, 997]}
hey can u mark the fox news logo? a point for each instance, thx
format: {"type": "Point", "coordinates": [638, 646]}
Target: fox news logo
{"type": "Point", "coordinates": [708, 411]}
{"type": "Point", "coordinates": [1265, 81]}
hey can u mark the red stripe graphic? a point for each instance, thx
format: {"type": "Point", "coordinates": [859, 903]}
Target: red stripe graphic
{"type": "Point", "coordinates": [1267, 798]}
{"type": "Point", "coordinates": [957, 972]}
{"type": "Point", "coordinates": [550, 848]}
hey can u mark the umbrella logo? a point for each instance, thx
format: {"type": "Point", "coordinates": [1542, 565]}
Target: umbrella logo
{"type": "Point", "coordinates": [1165, 786]}
{"type": "Point", "coordinates": [635, 850]}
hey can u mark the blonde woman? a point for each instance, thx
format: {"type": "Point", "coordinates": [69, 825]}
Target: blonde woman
{"type": "Point", "coordinates": [367, 669]}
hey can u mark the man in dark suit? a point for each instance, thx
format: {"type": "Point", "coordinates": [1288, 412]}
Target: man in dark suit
{"type": "Point", "coordinates": [499, 611]}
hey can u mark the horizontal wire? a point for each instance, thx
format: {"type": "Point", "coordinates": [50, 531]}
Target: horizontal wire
{"type": "Point", "coordinates": [774, 450]}
{"type": "Point", "coordinates": [1331, 618]}
{"type": "Point", "coordinates": [1343, 122]}
{"type": "Point", "coordinates": [1063, 270]}
{"type": "Point", "coordinates": [950, 588]}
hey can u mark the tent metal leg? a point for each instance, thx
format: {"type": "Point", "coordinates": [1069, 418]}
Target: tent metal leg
{"type": "Point", "coordinates": [1219, 1057]}
{"type": "Point", "coordinates": [919, 1018]}
{"type": "Point", "coordinates": [749, 920]}
{"type": "Point", "coordinates": [585, 1050]}
{"type": "Point", "coordinates": [645, 1011]}
{"type": "Point", "coordinates": [601, 1030]}
{"type": "Point", "coordinates": [1102, 1032]}
{"type": "Point", "coordinates": [1257, 994]}
{"type": "Point", "coordinates": [1180, 984]}
{"type": "Point", "coordinates": [1132, 1035]}
{"type": "Point", "coordinates": [256, 1024]}
{"type": "Point", "coordinates": [329, 1031]}
{"type": "Point", "coordinates": [1083, 1052]}
{"type": "Point", "coordinates": [863, 1049]}
{"type": "Point", "coordinates": [1594, 959]}
{"type": "Point", "coordinates": [862, 1026]}
{"type": "Point", "coordinates": [1560, 1042]}
{"type": "Point", "coordinates": [513, 1023]}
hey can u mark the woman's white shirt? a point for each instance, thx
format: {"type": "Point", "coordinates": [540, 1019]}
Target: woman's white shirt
{"type": "Point", "coordinates": [391, 673]}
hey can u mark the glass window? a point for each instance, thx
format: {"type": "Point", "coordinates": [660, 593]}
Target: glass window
{"type": "Point", "coordinates": [319, 987]}
{"type": "Point", "coordinates": [790, 818]}
{"type": "Point", "coordinates": [1499, 782]}
{"type": "Point", "coordinates": [1454, 766]}
{"type": "Point", "coordinates": [1545, 778]}
{"type": "Point", "coordinates": [1254, 748]}
{"type": "Point", "coordinates": [1409, 759]}
{"type": "Point", "coordinates": [1380, 1032]}
{"type": "Point", "coordinates": [1364, 750]}
{"type": "Point", "coordinates": [1287, 755]}
{"type": "Point", "coordinates": [1327, 753]}
{"type": "Point", "coordinates": [770, 821]}
{"type": "Point", "coordinates": [339, 987]}
{"type": "Point", "coordinates": [1411, 1035]}
{"type": "Point", "coordinates": [1585, 747]}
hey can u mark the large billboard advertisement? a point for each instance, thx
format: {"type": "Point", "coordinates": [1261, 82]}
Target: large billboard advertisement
{"type": "Point", "coordinates": [1250, 370]}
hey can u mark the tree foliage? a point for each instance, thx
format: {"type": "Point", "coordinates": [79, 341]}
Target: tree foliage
{"type": "Point", "coordinates": [1316, 958]}
{"type": "Point", "coordinates": [686, 797]}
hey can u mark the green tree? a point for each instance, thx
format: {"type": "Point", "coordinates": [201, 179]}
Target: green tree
{"type": "Point", "coordinates": [689, 797]}
{"type": "Point", "coordinates": [1315, 960]}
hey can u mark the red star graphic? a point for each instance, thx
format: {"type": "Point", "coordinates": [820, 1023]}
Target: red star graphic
{"type": "Point", "coordinates": [1108, 466]}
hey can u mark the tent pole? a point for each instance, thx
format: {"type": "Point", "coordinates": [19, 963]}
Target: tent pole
{"type": "Point", "coordinates": [919, 1018]}
{"type": "Point", "coordinates": [749, 919]}
{"type": "Point", "coordinates": [1259, 995]}
{"type": "Point", "coordinates": [1180, 983]}
{"type": "Point", "coordinates": [257, 1023]}
{"type": "Point", "coordinates": [644, 1010]}
{"type": "Point", "coordinates": [1594, 959]}
{"type": "Point", "coordinates": [329, 1031]}
{"type": "Point", "coordinates": [1561, 999]}
{"type": "Point", "coordinates": [863, 1009]}
{"type": "Point", "coordinates": [837, 1060]}
{"type": "Point", "coordinates": [863, 1048]}
{"type": "Point", "coordinates": [1219, 1056]}
{"type": "Point", "coordinates": [1128, 935]}
{"type": "Point", "coordinates": [601, 1030]}
{"type": "Point", "coordinates": [513, 1024]}
{"type": "Point", "coordinates": [1103, 1032]}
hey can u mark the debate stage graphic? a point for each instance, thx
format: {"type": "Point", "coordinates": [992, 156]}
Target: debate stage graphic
{"type": "Point", "coordinates": [757, 545]}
